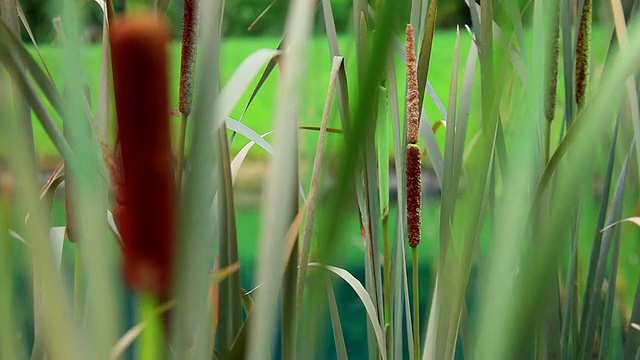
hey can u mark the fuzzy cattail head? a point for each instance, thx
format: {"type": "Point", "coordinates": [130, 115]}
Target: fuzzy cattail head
{"type": "Point", "coordinates": [414, 194]}
{"type": "Point", "coordinates": [583, 52]}
{"type": "Point", "coordinates": [551, 71]}
{"type": "Point", "coordinates": [139, 56]}
{"type": "Point", "coordinates": [413, 96]}
{"type": "Point", "coordinates": [188, 59]}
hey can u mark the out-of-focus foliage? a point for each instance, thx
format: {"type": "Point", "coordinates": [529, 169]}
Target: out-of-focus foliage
{"type": "Point", "coordinates": [240, 14]}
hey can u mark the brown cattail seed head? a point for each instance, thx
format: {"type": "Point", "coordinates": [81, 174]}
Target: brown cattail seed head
{"type": "Point", "coordinates": [551, 71]}
{"type": "Point", "coordinates": [139, 57]}
{"type": "Point", "coordinates": [413, 97]}
{"type": "Point", "coordinates": [583, 51]}
{"type": "Point", "coordinates": [414, 194]}
{"type": "Point", "coordinates": [188, 59]}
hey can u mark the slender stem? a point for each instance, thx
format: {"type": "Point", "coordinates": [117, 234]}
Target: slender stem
{"type": "Point", "coordinates": [77, 283]}
{"type": "Point", "coordinates": [416, 305]}
{"type": "Point", "coordinates": [181, 146]}
{"type": "Point", "coordinates": [151, 341]}
{"type": "Point", "coordinates": [547, 141]}
{"type": "Point", "coordinates": [387, 281]}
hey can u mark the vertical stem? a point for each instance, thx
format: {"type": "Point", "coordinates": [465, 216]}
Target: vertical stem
{"type": "Point", "coordinates": [387, 283]}
{"type": "Point", "coordinates": [181, 146]}
{"type": "Point", "coordinates": [77, 283]}
{"type": "Point", "coordinates": [151, 343]}
{"type": "Point", "coordinates": [416, 304]}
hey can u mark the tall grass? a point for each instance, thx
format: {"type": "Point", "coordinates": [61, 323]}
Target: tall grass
{"type": "Point", "coordinates": [516, 274]}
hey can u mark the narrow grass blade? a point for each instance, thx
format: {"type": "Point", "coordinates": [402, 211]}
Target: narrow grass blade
{"type": "Point", "coordinates": [602, 213]}
{"type": "Point", "coordinates": [607, 322]}
{"type": "Point", "coordinates": [334, 49]}
{"type": "Point", "coordinates": [425, 49]}
{"type": "Point", "coordinates": [464, 108]}
{"type": "Point", "coordinates": [372, 313]}
{"type": "Point", "coordinates": [338, 336]}
{"type": "Point", "coordinates": [589, 323]}
{"type": "Point", "coordinates": [230, 318]}
{"type": "Point", "coordinates": [313, 188]}
{"type": "Point", "coordinates": [632, 344]}
{"type": "Point", "coordinates": [25, 23]}
{"type": "Point", "coordinates": [263, 78]}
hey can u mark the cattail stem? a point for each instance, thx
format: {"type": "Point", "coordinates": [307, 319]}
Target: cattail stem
{"type": "Point", "coordinates": [416, 305]}
{"type": "Point", "coordinates": [77, 283]}
{"type": "Point", "coordinates": [181, 148]}
{"type": "Point", "coordinates": [151, 341]}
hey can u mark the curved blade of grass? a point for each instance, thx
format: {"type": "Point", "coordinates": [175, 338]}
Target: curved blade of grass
{"type": "Point", "coordinates": [240, 80]}
{"type": "Point", "coordinates": [249, 133]}
{"type": "Point", "coordinates": [425, 49]}
{"type": "Point", "coordinates": [230, 319]}
{"type": "Point", "coordinates": [372, 313]}
{"type": "Point", "coordinates": [588, 330]}
{"type": "Point", "coordinates": [263, 78]}
{"type": "Point", "coordinates": [241, 155]}
{"type": "Point", "coordinates": [315, 179]}
{"type": "Point", "coordinates": [338, 336]}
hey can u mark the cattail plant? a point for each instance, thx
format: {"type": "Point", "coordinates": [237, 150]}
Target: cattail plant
{"type": "Point", "coordinates": [187, 66]}
{"type": "Point", "coordinates": [551, 65]}
{"type": "Point", "coordinates": [139, 56]}
{"type": "Point", "coordinates": [413, 176]}
{"type": "Point", "coordinates": [583, 51]}
{"type": "Point", "coordinates": [551, 76]}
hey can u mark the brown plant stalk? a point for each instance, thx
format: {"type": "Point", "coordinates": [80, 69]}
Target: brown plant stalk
{"type": "Point", "coordinates": [140, 57]}
{"type": "Point", "coordinates": [583, 52]}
